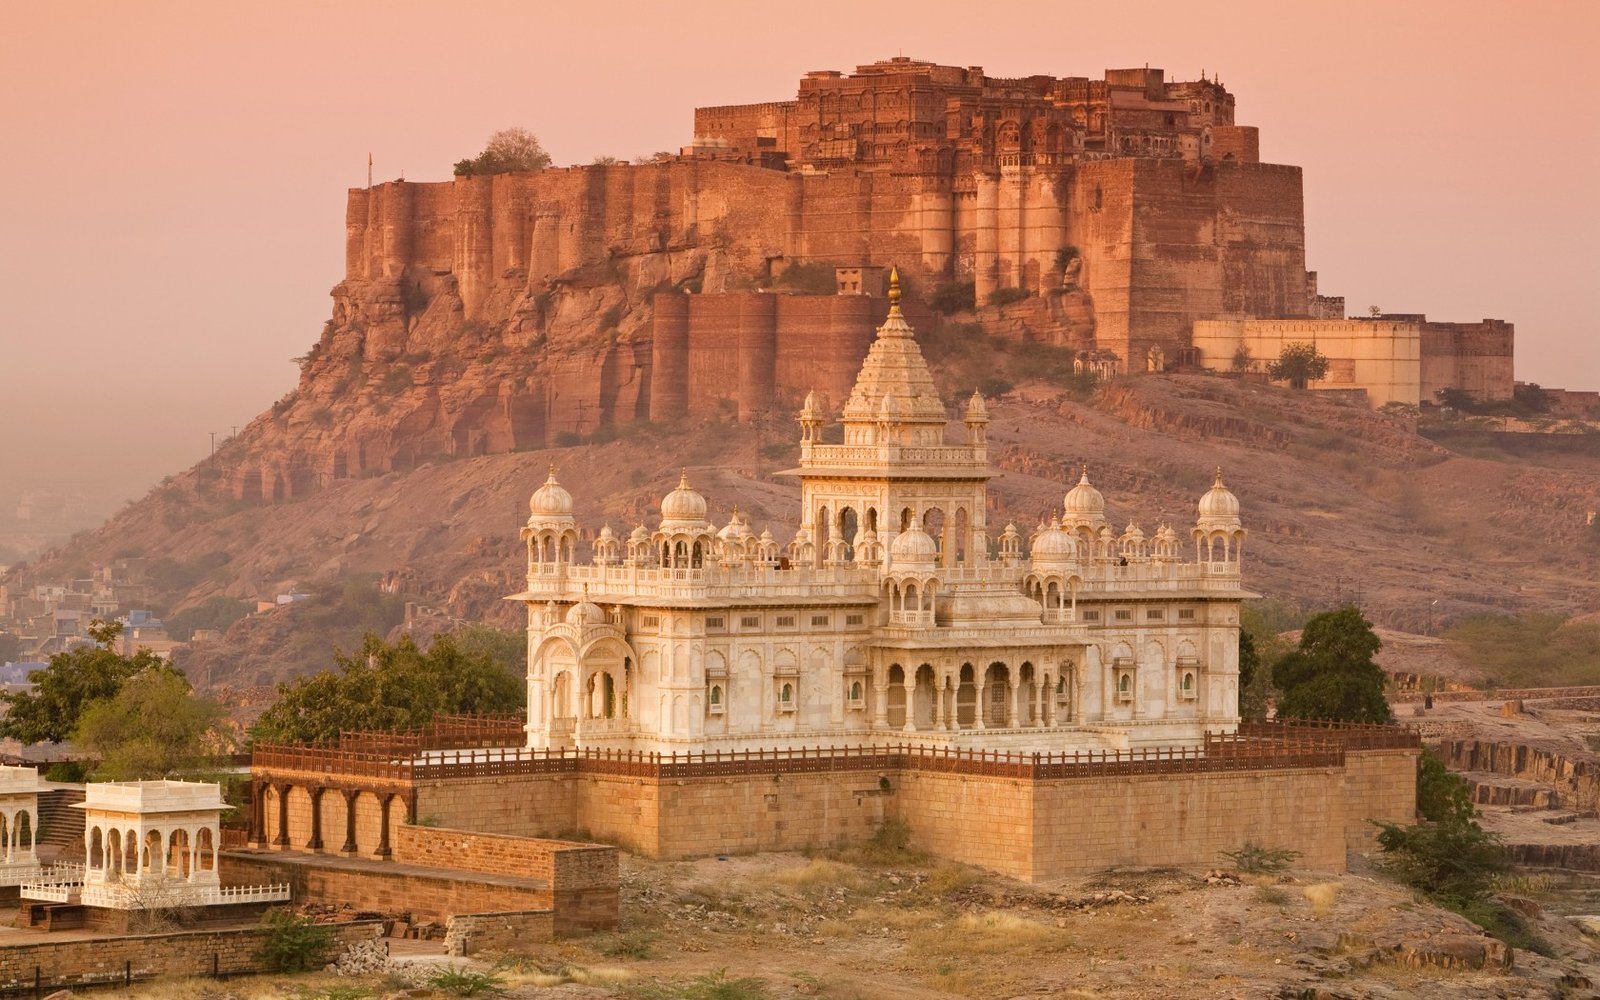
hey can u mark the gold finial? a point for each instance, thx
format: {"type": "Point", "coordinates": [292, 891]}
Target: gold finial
{"type": "Point", "coordinates": [1219, 475]}
{"type": "Point", "coordinates": [683, 479]}
{"type": "Point", "coordinates": [552, 470]}
{"type": "Point", "coordinates": [894, 289]}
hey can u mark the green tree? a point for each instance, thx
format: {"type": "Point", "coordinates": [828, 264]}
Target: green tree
{"type": "Point", "coordinates": [1332, 674]}
{"type": "Point", "coordinates": [72, 682]}
{"type": "Point", "coordinates": [391, 687]}
{"type": "Point", "coordinates": [1298, 364]}
{"type": "Point", "coordinates": [152, 728]}
{"type": "Point", "coordinates": [1447, 855]}
{"type": "Point", "coordinates": [508, 150]}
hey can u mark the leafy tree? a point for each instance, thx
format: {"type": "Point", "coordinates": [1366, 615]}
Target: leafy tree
{"type": "Point", "coordinates": [1332, 674]}
{"type": "Point", "coordinates": [294, 943]}
{"type": "Point", "coordinates": [1241, 359]}
{"type": "Point", "coordinates": [1448, 855]}
{"type": "Point", "coordinates": [1298, 364]}
{"type": "Point", "coordinates": [1456, 399]}
{"type": "Point", "coordinates": [73, 681]}
{"type": "Point", "coordinates": [391, 687]}
{"type": "Point", "coordinates": [508, 150]}
{"type": "Point", "coordinates": [153, 727]}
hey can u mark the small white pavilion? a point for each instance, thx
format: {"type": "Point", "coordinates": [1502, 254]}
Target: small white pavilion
{"type": "Point", "coordinates": [19, 824]}
{"type": "Point", "coordinates": [150, 845]}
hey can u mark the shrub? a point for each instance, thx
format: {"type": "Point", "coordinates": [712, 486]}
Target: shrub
{"type": "Point", "coordinates": [463, 983]}
{"type": "Point", "coordinates": [1006, 296]}
{"type": "Point", "coordinates": [955, 297]}
{"type": "Point", "coordinates": [294, 943]}
{"type": "Point", "coordinates": [396, 379]}
{"type": "Point", "coordinates": [809, 279]}
{"type": "Point", "coordinates": [1258, 860]}
{"type": "Point", "coordinates": [994, 386]}
{"type": "Point", "coordinates": [568, 439]}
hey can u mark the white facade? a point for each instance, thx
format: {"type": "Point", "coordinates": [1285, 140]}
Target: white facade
{"type": "Point", "coordinates": [19, 824]}
{"type": "Point", "coordinates": [893, 615]}
{"type": "Point", "coordinates": [148, 845]}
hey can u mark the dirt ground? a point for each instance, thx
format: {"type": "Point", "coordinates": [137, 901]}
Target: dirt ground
{"type": "Point", "coordinates": [900, 927]}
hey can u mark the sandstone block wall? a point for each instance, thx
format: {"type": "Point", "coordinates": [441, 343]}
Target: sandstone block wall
{"type": "Point", "coordinates": [1382, 356]}
{"type": "Point", "coordinates": [583, 878]}
{"type": "Point", "coordinates": [1476, 357]}
{"type": "Point", "coordinates": [424, 896]}
{"type": "Point", "coordinates": [1378, 785]}
{"type": "Point", "coordinates": [189, 953]}
{"type": "Point", "coordinates": [472, 934]}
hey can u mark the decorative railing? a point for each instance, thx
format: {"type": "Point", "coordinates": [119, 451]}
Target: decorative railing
{"type": "Point", "coordinates": [1220, 752]}
{"type": "Point", "coordinates": [1349, 735]}
{"type": "Point", "coordinates": [158, 895]}
{"type": "Point", "coordinates": [57, 884]}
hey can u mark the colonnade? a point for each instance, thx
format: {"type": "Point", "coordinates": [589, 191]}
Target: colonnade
{"type": "Point", "coordinates": [273, 796]}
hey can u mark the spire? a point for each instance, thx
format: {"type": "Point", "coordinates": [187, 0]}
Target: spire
{"type": "Point", "coordinates": [894, 291]}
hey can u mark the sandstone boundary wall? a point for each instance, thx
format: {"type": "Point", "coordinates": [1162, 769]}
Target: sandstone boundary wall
{"type": "Point", "coordinates": [54, 965]}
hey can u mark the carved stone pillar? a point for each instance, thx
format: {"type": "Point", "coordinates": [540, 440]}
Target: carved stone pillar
{"type": "Point", "coordinates": [983, 704]}
{"type": "Point", "coordinates": [349, 822]}
{"type": "Point", "coordinates": [384, 850]}
{"type": "Point", "coordinates": [1011, 703]}
{"type": "Point", "coordinates": [315, 843]}
{"type": "Point", "coordinates": [282, 839]}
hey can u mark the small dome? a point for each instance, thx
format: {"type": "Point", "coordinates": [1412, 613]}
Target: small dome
{"type": "Point", "coordinates": [639, 534]}
{"type": "Point", "coordinates": [976, 408]}
{"type": "Point", "coordinates": [550, 500]}
{"type": "Point", "coordinates": [735, 528]}
{"type": "Point", "coordinates": [1052, 545]}
{"type": "Point", "coordinates": [605, 534]}
{"type": "Point", "coordinates": [585, 612]}
{"type": "Point", "coordinates": [914, 547]}
{"type": "Point", "coordinates": [1133, 533]}
{"type": "Point", "coordinates": [1219, 502]}
{"type": "Point", "coordinates": [766, 534]}
{"type": "Point", "coordinates": [1083, 500]}
{"type": "Point", "coordinates": [683, 503]}
{"type": "Point", "coordinates": [1105, 533]}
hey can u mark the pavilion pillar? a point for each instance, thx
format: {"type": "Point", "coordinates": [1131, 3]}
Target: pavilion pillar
{"type": "Point", "coordinates": [349, 821]}
{"type": "Point", "coordinates": [282, 839]}
{"type": "Point", "coordinates": [315, 843]}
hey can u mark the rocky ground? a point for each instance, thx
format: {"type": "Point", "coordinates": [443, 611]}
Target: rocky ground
{"type": "Point", "coordinates": [905, 928]}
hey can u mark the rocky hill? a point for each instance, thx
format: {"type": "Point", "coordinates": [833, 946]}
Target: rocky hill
{"type": "Point", "coordinates": [1342, 503]}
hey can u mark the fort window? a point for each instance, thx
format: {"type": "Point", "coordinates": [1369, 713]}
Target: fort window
{"type": "Point", "coordinates": [1091, 616]}
{"type": "Point", "coordinates": [1124, 615]}
{"type": "Point", "coordinates": [750, 621]}
{"type": "Point", "coordinates": [856, 700]}
{"type": "Point", "coordinates": [786, 698]}
{"type": "Point", "coordinates": [820, 621]}
{"type": "Point", "coordinates": [650, 621]}
{"type": "Point", "coordinates": [1155, 614]}
{"type": "Point", "coordinates": [714, 700]}
{"type": "Point", "coordinates": [786, 621]}
{"type": "Point", "coordinates": [1186, 614]}
{"type": "Point", "coordinates": [854, 619]}
{"type": "Point", "coordinates": [715, 622]}
{"type": "Point", "coordinates": [1187, 690]}
{"type": "Point", "coordinates": [1124, 685]}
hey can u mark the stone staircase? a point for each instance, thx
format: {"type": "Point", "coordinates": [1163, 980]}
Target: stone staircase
{"type": "Point", "coordinates": [60, 825]}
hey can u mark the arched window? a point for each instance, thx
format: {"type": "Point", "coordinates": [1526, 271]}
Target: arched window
{"type": "Point", "coordinates": [786, 693]}
{"type": "Point", "coordinates": [1125, 684]}
{"type": "Point", "coordinates": [855, 691]}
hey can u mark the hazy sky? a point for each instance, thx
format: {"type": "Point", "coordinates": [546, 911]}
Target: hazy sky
{"type": "Point", "coordinates": [173, 175]}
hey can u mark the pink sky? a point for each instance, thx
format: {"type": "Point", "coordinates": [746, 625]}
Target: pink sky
{"type": "Point", "coordinates": [173, 175]}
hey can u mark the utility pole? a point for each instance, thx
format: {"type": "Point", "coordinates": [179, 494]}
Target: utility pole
{"type": "Point", "coordinates": [213, 444]}
{"type": "Point", "coordinates": [369, 171]}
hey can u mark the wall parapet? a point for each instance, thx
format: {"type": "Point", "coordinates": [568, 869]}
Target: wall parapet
{"type": "Point", "coordinates": [1271, 747]}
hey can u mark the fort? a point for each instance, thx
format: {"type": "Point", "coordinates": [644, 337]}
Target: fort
{"type": "Point", "coordinates": [1128, 219]}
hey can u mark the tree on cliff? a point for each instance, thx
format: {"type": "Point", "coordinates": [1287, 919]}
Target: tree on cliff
{"type": "Point", "coordinates": [1332, 675]}
{"type": "Point", "coordinates": [508, 150]}
{"type": "Point", "coordinates": [72, 682]}
{"type": "Point", "coordinates": [1298, 364]}
{"type": "Point", "coordinates": [391, 687]}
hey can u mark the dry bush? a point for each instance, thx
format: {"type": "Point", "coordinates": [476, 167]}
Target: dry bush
{"type": "Point", "coordinates": [1322, 896]}
{"type": "Point", "coordinates": [819, 875]}
{"type": "Point", "coordinates": [992, 933]}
